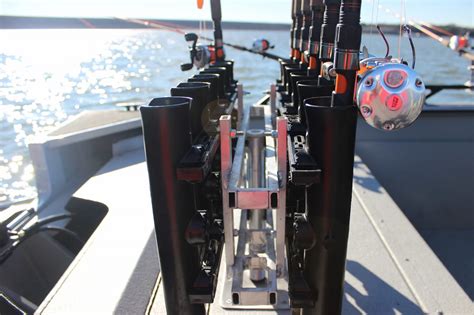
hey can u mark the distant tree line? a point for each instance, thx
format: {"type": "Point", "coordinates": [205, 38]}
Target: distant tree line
{"type": "Point", "coordinates": [14, 22]}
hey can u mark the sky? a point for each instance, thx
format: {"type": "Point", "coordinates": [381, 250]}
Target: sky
{"type": "Point", "coordinates": [439, 12]}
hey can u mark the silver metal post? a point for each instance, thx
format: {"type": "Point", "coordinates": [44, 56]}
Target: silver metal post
{"type": "Point", "coordinates": [240, 105]}
{"type": "Point", "coordinates": [256, 144]}
{"type": "Point", "coordinates": [273, 96]}
{"type": "Point", "coordinates": [226, 165]}
{"type": "Point", "coordinates": [282, 124]}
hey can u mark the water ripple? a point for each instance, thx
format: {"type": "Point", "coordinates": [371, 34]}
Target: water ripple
{"type": "Point", "coordinates": [48, 75]}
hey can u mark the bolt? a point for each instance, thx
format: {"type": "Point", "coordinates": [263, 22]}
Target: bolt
{"type": "Point", "coordinates": [388, 126]}
{"type": "Point", "coordinates": [366, 110]}
{"type": "Point", "coordinates": [369, 82]}
{"type": "Point", "coordinates": [418, 82]}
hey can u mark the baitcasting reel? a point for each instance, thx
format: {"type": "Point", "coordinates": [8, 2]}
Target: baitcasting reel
{"type": "Point", "coordinates": [200, 54]}
{"type": "Point", "coordinates": [458, 43]}
{"type": "Point", "coordinates": [261, 45]}
{"type": "Point", "coordinates": [390, 95]}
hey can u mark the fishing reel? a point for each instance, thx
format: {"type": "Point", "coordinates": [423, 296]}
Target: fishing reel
{"type": "Point", "coordinates": [261, 45]}
{"type": "Point", "coordinates": [389, 93]}
{"type": "Point", "coordinates": [459, 43]}
{"type": "Point", "coordinates": [200, 54]}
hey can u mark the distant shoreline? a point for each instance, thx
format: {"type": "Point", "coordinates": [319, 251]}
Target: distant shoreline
{"type": "Point", "coordinates": [23, 22]}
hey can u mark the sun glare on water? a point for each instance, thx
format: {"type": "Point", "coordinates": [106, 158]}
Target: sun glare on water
{"type": "Point", "coordinates": [45, 76]}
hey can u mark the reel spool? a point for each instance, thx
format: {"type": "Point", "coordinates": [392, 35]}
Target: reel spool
{"type": "Point", "coordinates": [390, 95]}
{"type": "Point", "coordinates": [200, 53]}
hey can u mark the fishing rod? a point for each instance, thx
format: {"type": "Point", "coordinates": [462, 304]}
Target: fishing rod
{"type": "Point", "coordinates": [443, 41]}
{"type": "Point", "coordinates": [456, 43]}
{"type": "Point", "coordinates": [216, 15]}
{"type": "Point", "coordinates": [178, 29]}
{"type": "Point", "coordinates": [437, 28]}
{"type": "Point", "coordinates": [306, 13]}
{"type": "Point", "coordinates": [328, 35]}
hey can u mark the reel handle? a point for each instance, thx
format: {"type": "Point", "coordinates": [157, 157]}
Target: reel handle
{"type": "Point", "coordinates": [190, 37]}
{"type": "Point", "coordinates": [186, 66]}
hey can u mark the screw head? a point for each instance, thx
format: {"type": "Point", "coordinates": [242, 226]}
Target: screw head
{"type": "Point", "coordinates": [366, 110]}
{"type": "Point", "coordinates": [388, 126]}
{"type": "Point", "coordinates": [369, 82]}
{"type": "Point", "coordinates": [418, 82]}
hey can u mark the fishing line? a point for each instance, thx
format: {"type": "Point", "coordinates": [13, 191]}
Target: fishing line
{"type": "Point", "coordinates": [377, 14]}
{"type": "Point", "coordinates": [410, 39]}
{"type": "Point", "coordinates": [372, 19]}
{"type": "Point", "coordinates": [425, 30]}
{"type": "Point", "coordinates": [387, 53]}
{"type": "Point", "coordinates": [402, 6]}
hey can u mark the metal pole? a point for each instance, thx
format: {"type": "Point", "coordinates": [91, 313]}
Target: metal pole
{"type": "Point", "coordinates": [240, 104]}
{"type": "Point", "coordinates": [256, 143]}
{"type": "Point", "coordinates": [273, 98]}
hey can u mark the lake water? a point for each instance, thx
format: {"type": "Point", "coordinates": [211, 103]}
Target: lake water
{"type": "Point", "coordinates": [48, 75]}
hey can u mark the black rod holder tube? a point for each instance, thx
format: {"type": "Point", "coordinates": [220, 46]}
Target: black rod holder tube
{"type": "Point", "coordinates": [199, 92]}
{"type": "Point", "coordinates": [283, 64]}
{"type": "Point", "coordinates": [214, 99]}
{"type": "Point", "coordinates": [222, 79]}
{"type": "Point", "coordinates": [222, 72]}
{"type": "Point", "coordinates": [290, 69]}
{"type": "Point", "coordinates": [211, 78]}
{"type": "Point", "coordinates": [295, 77]}
{"type": "Point", "coordinates": [229, 65]}
{"type": "Point", "coordinates": [167, 139]}
{"type": "Point", "coordinates": [308, 89]}
{"type": "Point", "coordinates": [330, 140]}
